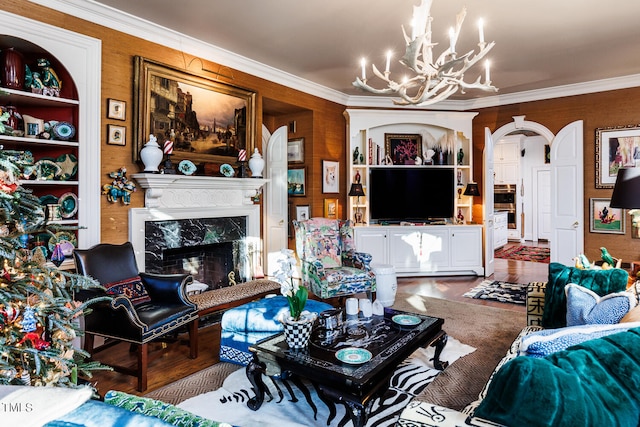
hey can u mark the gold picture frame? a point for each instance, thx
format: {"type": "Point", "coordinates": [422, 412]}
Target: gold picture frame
{"type": "Point", "coordinates": [209, 121]}
{"type": "Point", "coordinates": [331, 208]}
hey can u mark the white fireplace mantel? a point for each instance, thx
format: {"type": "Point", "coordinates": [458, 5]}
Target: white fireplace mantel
{"type": "Point", "coordinates": [176, 191]}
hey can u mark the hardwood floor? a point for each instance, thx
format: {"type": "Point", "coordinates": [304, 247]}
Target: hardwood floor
{"type": "Point", "coordinates": [172, 363]}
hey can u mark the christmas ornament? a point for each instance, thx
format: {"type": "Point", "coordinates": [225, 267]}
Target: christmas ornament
{"type": "Point", "coordinates": [57, 257]}
{"type": "Point", "coordinates": [29, 322]}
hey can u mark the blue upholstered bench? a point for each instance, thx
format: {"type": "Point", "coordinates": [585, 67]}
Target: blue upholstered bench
{"type": "Point", "coordinates": [247, 324]}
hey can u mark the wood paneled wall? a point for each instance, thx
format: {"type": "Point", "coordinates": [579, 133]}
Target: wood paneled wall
{"type": "Point", "coordinates": [597, 110]}
{"type": "Point", "coordinates": [323, 126]}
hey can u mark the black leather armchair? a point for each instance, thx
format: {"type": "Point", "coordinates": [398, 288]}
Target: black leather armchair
{"type": "Point", "coordinates": [166, 310]}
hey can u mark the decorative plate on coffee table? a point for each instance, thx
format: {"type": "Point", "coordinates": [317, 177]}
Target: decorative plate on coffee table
{"type": "Point", "coordinates": [406, 320]}
{"type": "Point", "coordinates": [353, 355]}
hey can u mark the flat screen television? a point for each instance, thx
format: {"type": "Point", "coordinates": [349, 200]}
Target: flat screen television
{"type": "Point", "coordinates": [410, 194]}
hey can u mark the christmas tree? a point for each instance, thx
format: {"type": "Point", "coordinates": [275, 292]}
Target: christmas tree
{"type": "Point", "coordinates": [38, 314]}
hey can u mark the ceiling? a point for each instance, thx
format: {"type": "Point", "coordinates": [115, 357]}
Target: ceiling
{"type": "Point", "coordinates": [539, 44]}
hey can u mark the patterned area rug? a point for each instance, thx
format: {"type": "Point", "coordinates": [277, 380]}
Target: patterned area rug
{"type": "Point", "coordinates": [296, 403]}
{"type": "Point", "coordinates": [524, 253]}
{"type": "Point", "coordinates": [514, 293]}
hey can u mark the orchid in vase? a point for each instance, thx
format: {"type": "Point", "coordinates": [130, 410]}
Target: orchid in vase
{"type": "Point", "coordinates": [290, 288]}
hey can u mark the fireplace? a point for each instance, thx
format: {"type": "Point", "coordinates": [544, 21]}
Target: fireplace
{"type": "Point", "coordinates": [204, 226]}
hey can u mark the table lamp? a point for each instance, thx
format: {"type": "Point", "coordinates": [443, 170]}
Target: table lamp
{"type": "Point", "coordinates": [357, 191]}
{"type": "Point", "coordinates": [472, 189]}
{"type": "Point", "coordinates": [626, 195]}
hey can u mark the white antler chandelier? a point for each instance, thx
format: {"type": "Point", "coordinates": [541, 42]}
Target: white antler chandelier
{"type": "Point", "coordinates": [433, 81]}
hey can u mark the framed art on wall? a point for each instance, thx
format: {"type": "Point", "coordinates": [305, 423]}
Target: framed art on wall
{"type": "Point", "coordinates": [209, 121]}
{"type": "Point", "coordinates": [302, 212]}
{"type": "Point", "coordinates": [616, 147]}
{"type": "Point", "coordinates": [331, 208]}
{"type": "Point", "coordinates": [116, 109]}
{"type": "Point", "coordinates": [296, 182]}
{"type": "Point", "coordinates": [295, 150]}
{"type": "Point", "coordinates": [116, 135]}
{"type": "Point", "coordinates": [605, 219]}
{"type": "Point", "coordinates": [403, 149]}
{"type": "Point", "coordinates": [330, 176]}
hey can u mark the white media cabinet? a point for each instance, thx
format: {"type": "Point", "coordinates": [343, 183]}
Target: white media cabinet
{"type": "Point", "coordinates": [424, 250]}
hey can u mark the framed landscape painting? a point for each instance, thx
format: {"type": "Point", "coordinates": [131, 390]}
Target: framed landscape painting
{"type": "Point", "coordinates": [208, 121]}
{"type": "Point", "coordinates": [605, 219]}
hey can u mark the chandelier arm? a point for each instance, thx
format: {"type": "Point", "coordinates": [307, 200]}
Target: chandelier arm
{"type": "Point", "coordinates": [437, 80]}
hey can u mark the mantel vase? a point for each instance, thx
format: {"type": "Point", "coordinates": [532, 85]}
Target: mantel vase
{"type": "Point", "coordinates": [256, 164]}
{"type": "Point", "coordinates": [298, 332]}
{"type": "Point", "coordinates": [151, 155]}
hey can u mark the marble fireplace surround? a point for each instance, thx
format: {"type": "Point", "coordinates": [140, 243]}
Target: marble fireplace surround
{"type": "Point", "coordinates": [193, 203]}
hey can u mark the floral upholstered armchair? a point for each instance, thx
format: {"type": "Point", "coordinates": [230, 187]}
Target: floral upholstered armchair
{"type": "Point", "coordinates": [331, 267]}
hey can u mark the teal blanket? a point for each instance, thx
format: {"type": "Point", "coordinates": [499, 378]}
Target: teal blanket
{"type": "Point", "coordinates": [596, 383]}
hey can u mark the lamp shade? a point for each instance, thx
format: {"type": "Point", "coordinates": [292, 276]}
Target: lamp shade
{"type": "Point", "coordinates": [626, 191]}
{"type": "Point", "coordinates": [356, 190]}
{"type": "Point", "coordinates": [472, 189]}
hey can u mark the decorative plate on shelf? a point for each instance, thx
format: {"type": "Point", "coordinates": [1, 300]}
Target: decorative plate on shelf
{"type": "Point", "coordinates": [47, 169]}
{"type": "Point", "coordinates": [406, 320]}
{"type": "Point", "coordinates": [187, 167]}
{"type": "Point", "coordinates": [68, 205]}
{"type": "Point", "coordinates": [62, 237]}
{"type": "Point", "coordinates": [353, 355]}
{"type": "Point", "coordinates": [68, 166]}
{"type": "Point", "coordinates": [227, 170]}
{"type": "Point", "coordinates": [63, 131]}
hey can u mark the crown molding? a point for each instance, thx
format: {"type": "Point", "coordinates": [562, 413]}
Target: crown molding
{"type": "Point", "coordinates": [109, 17]}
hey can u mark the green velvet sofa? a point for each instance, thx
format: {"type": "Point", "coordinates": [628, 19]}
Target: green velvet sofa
{"type": "Point", "coordinates": [596, 382]}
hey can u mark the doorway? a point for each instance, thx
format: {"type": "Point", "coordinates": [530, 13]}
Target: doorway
{"type": "Point", "coordinates": [566, 205]}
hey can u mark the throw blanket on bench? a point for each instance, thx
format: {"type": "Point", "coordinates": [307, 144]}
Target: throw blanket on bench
{"type": "Point", "coordinates": [596, 383]}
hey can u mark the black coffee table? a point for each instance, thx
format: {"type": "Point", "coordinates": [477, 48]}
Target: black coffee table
{"type": "Point", "coordinates": [354, 385]}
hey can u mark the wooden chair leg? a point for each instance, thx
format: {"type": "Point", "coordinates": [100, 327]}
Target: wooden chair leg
{"type": "Point", "coordinates": [143, 362]}
{"type": "Point", "coordinates": [88, 343]}
{"type": "Point", "coordinates": [193, 339]}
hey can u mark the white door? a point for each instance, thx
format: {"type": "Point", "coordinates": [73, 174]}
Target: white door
{"type": "Point", "coordinates": [489, 260]}
{"type": "Point", "coordinates": [542, 208]}
{"type": "Point", "coordinates": [275, 196]}
{"type": "Point", "coordinates": [567, 211]}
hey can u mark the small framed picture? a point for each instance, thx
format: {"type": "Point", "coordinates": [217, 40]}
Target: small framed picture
{"type": "Point", "coordinates": [117, 135]}
{"type": "Point", "coordinates": [331, 208]}
{"type": "Point", "coordinates": [330, 176]}
{"type": "Point", "coordinates": [295, 150]}
{"type": "Point", "coordinates": [302, 212]}
{"type": "Point", "coordinates": [296, 185]}
{"type": "Point", "coordinates": [605, 219]}
{"type": "Point", "coordinates": [403, 149]}
{"type": "Point", "coordinates": [116, 109]}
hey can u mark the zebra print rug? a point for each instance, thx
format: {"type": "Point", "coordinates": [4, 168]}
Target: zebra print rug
{"type": "Point", "coordinates": [296, 403]}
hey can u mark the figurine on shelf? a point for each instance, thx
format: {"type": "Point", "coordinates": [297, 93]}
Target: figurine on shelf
{"type": "Point", "coordinates": [49, 77]}
{"type": "Point", "coordinates": [460, 156]}
{"type": "Point", "coordinates": [356, 156]}
{"type": "Point", "coordinates": [460, 217]}
{"type": "Point", "coordinates": [120, 188]}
